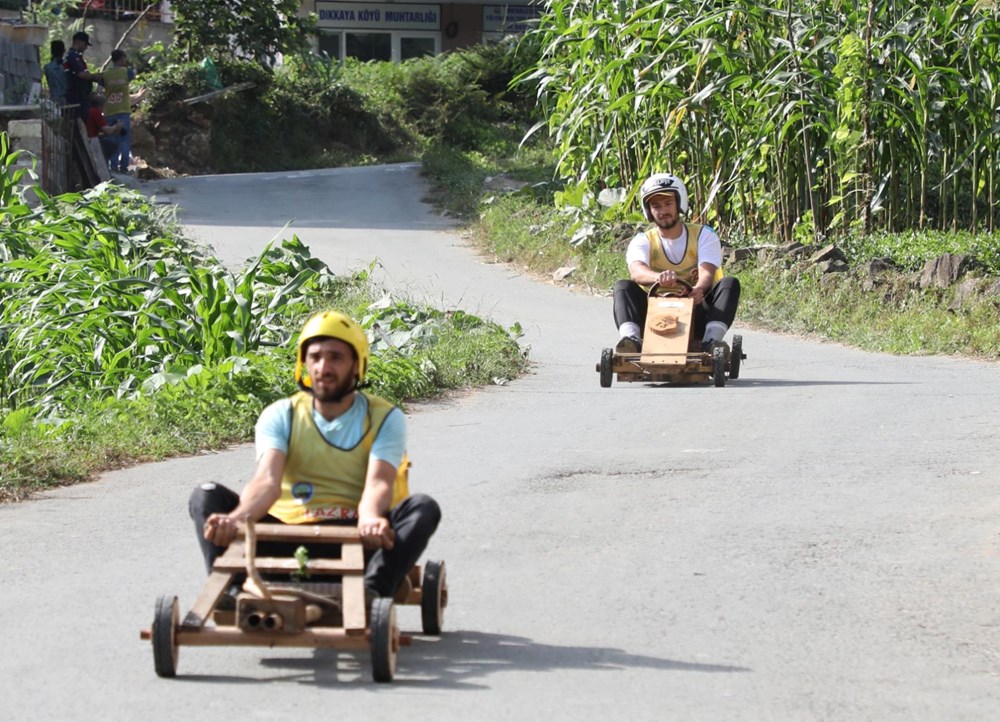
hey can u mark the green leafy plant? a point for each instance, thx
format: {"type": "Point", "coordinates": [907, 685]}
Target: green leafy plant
{"type": "Point", "coordinates": [302, 559]}
{"type": "Point", "coordinates": [878, 116]}
{"type": "Point", "coordinates": [98, 298]}
{"type": "Point", "coordinates": [260, 29]}
{"type": "Point", "coordinates": [121, 341]}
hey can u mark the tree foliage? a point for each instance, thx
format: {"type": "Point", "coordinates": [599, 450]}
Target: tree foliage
{"type": "Point", "coordinates": [259, 29]}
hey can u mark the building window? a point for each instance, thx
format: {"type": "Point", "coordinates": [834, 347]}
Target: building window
{"type": "Point", "coordinates": [329, 43]}
{"type": "Point", "coordinates": [411, 47]}
{"type": "Point", "coordinates": [368, 46]}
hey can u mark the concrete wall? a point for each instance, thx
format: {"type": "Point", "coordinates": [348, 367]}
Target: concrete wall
{"type": "Point", "coordinates": [105, 36]}
{"type": "Point", "coordinates": [26, 135]}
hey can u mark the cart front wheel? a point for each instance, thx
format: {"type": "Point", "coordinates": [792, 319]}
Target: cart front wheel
{"type": "Point", "coordinates": [164, 636]}
{"type": "Point", "coordinates": [736, 357]}
{"type": "Point", "coordinates": [607, 357]}
{"type": "Point", "coordinates": [433, 597]}
{"type": "Point", "coordinates": [385, 639]}
{"type": "Point", "coordinates": [719, 366]}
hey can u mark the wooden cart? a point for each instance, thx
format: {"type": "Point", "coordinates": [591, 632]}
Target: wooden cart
{"type": "Point", "coordinates": [326, 610]}
{"type": "Point", "coordinates": [670, 353]}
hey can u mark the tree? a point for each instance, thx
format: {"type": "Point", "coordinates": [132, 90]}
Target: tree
{"type": "Point", "coordinates": [259, 29]}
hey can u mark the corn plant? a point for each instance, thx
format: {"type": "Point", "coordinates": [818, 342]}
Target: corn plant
{"type": "Point", "coordinates": [835, 115]}
{"type": "Point", "coordinates": [100, 292]}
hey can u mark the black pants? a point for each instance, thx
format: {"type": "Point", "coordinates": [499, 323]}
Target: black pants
{"type": "Point", "coordinates": [719, 305]}
{"type": "Point", "coordinates": [413, 520]}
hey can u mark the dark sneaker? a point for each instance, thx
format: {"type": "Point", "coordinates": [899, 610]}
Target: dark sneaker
{"type": "Point", "coordinates": [227, 602]}
{"type": "Point", "coordinates": [628, 344]}
{"type": "Point", "coordinates": [710, 346]}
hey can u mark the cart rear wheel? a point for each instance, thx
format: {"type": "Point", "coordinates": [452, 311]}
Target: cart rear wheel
{"type": "Point", "coordinates": [719, 365]}
{"type": "Point", "coordinates": [385, 639]}
{"type": "Point", "coordinates": [607, 356]}
{"type": "Point", "coordinates": [164, 636]}
{"type": "Point", "coordinates": [433, 597]}
{"type": "Point", "coordinates": [735, 357]}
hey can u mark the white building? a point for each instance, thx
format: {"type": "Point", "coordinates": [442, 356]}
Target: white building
{"type": "Point", "coordinates": [399, 31]}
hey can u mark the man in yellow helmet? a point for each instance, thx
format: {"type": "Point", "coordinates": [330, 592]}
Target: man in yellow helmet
{"type": "Point", "coordinates": [669, 253]}
{"type": "Point", "coordinates": [328, 454]}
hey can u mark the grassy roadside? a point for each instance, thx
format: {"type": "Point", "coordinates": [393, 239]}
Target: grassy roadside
{"type": "Point", "coordinates": [121, 341]}
{"type": "Point", "coordinates": [212, 407]}
{"type": "Point", "coordinates": [890, 314]}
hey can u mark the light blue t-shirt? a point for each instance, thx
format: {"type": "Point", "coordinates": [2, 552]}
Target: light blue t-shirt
{"type": "Point", "coordinates": [274, 429]}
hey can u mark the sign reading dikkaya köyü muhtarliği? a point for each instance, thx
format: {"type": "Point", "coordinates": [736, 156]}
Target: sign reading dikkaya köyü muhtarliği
{"type": "Point", "coordinates": [377, 16]}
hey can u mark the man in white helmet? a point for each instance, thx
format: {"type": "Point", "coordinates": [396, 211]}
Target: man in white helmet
{"type": "Point", "coordinates": [329, 454]}
{"type": "Point", "coordinates": [669, 252]}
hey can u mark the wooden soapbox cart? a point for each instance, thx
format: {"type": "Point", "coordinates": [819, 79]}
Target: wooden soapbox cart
{"type": "Point", "coordinates": [670, 353]}
{"type": "Point", "coordinates": [327, 610]}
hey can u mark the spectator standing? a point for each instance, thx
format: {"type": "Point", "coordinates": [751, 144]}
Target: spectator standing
{"type": "Point", "coordinates": [118, 107]}
{"type": "Point", "coordinates": [55, 73]}
{"type": "Point", "coordinates": [80, 80]}
{"type": "Point", "coordinates": [98, 127]}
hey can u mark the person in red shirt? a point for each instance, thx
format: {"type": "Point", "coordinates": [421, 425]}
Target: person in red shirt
{"type": "Point", "coordinates": [98, 127]}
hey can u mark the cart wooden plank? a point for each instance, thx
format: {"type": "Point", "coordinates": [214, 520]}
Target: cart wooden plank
{"type": "Point", "coordinates": [236, 637]}
{"type": "Point", "coordinates": [268, 565]}
{"type": "Point", "coordinates": [292, 532]}
{"type": "Point", "coordinates": [207, 598]}
{"type": "Point", "coordinates": [669, 349]}
{"type": "Point", "coordinates": [354, 591]}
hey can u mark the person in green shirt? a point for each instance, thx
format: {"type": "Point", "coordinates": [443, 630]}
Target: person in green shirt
{"type": "Point", "coordinates": [118, 107]}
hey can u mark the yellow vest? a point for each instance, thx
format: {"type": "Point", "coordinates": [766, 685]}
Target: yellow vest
{"type": "Point", "coordinates": [322, 481]}
{"type": "Point", "coordinates": [688, 266]}
{"type": "Point", "coordinates": [116, 91]}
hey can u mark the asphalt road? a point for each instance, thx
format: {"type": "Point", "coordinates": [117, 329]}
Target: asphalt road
{"type": "Point", "coordinates": [815, 541]}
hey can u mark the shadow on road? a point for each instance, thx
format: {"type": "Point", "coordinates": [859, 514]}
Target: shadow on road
{"type": "Point", "coordinates": [777, 383]}
{"type": "Point", "coordinates": [456, 661]}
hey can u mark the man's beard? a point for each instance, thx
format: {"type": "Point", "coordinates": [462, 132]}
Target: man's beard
{"type": "Point", "coordinates": [337, 393]}
{"type": "Point", "coordinates": [667, 225]}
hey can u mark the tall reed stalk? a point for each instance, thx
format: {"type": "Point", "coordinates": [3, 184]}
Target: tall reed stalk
{"type": "Point", "coordinates": [837, 116]}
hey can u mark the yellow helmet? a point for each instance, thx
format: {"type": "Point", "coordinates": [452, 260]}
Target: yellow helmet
{"type": "Point", "coordinates": [331, 324]}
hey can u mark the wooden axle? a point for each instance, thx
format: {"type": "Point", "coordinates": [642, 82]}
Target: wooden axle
{"type": "Point", "coordinates": [235, 637]}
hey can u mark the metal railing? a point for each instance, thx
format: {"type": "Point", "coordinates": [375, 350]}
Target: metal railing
{"type": "Point", "coordinates": [58, 172]}
{"type": "Point", "coordinates": [121, 9]}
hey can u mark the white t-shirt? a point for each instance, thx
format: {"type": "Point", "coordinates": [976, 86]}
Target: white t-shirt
{"type": "Point", "coordinates": [709, 248]}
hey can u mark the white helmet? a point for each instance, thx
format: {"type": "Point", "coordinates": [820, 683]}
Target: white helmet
{"type": "Point", "coordinates": [663, 183]}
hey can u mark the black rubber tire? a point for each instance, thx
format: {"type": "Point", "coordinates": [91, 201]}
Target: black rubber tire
{"type": "Point", "coordinates": [433, 597]}
{"type": "Point", "coordinates": [736, 357]}
{"type": "Point", "coordinates": [607, 358]}
{"type": "Point", "coordinates": [164, 635]}
{"type": "Point", "coordinates": [719, 366]}
{"type": "Point", "coordinates": [385, 639]}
